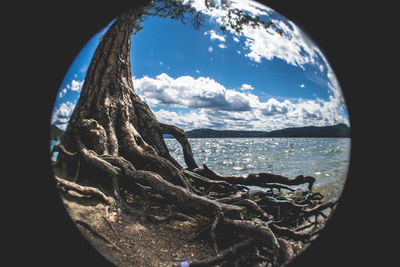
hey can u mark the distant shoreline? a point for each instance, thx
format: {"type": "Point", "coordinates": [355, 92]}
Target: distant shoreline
{"type": "Point", "coordinates": [334, 131]}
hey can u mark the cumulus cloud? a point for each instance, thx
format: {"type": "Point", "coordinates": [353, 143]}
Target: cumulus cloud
{"type": "Point", "coordinates": [61, 115]}
{"type": "Point", "coordinates": [62, 93]}
{"type": "Point", "coordinates": [222, 46]}
{"type": "Point", "coordinates": [84, 68]}
{"type": "Point", "coordinates": [75, 86]}
{"type": "Point", "coordinates": [273, 107]}
{"type": "Point", "coordinates": [185, 91]}
{"type": "Point", "coordinates": [289, 44]}
{"type": "Point", "coordinates": [246, 87]}
{"type": "Point", "coordinates": [215, 36]}
{"type": "Point", "coordinates": [205, 103]}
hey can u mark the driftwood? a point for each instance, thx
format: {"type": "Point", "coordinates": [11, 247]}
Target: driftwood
{"type": "Point", "coordinates": [114, 139]}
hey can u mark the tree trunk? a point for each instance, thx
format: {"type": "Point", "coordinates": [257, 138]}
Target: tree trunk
{"type": "Point", "coordinates": [110, 118]}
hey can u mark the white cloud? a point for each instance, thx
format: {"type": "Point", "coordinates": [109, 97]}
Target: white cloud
{"type": "Point", "coordinates": [75, 86]}
{"type": "Point", "coordinates": [269, 44]}
{"type": "Point", "coordinates": [215, 36]}
{"type": "Point", "coordinates": [61, 116]}
{"type": "Point", "coordinates": [83, 69]}
{"type": "Point", "coordinates": [210, 49]}
{"type": "Point", "coordinates": [235, 39]}
{"type": "Point", "coordinates": [207, 103]}
{"type": "Point", "coordinates": [273, 107]}
{"type": "Point", "coordinates": [62, 93]}
{"type": "Point", "coordinates": [185, 91]}
{"type": "Point", "coordinates": [246, 87]}
{"type": "Point", "coordinates": [192, 120]}
{"type": "Point", "coordinates": [222, 46]}
{"type": "Point", "coordinates": [302, 85]}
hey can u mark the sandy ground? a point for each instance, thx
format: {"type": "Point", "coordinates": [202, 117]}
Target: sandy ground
{"type": "Point", "coordinates": [128, 241]}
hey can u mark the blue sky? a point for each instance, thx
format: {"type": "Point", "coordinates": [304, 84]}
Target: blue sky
{"type": "Point", "coordinates": [206, 78]}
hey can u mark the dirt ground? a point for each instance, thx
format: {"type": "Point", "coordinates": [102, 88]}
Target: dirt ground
{"type": "Point", "coordinates": [126, 240]}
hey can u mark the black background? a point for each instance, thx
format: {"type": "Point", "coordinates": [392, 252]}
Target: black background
{"type": "Point", "coordinates": [357, 41]}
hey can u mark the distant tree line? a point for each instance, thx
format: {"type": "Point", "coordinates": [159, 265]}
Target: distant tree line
{"type": "Point", "coordinates": [339, 130]}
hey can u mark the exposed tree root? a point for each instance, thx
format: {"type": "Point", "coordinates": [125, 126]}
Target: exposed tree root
{"type": "Point", "coordinates": [208, 184]}
{"type": "Point", "coordinates": [256, 228]}
{"type": "Point", "coordinates": [258, 179]}
{"type": "Point", "coordinates": [180, 136]}
{"type": "Point", "coordinates": [85, 190]}
{"type": "Point", "coordinates": [292, 234]}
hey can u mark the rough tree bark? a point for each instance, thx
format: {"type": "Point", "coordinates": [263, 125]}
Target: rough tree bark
{"type": "Point", "coordinates": [113, 139]}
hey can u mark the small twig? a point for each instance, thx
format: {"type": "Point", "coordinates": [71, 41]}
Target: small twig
{"type": "Point", "coordinates": [97, 234]}
{"type": "Point", "coordinates": [111, 226]}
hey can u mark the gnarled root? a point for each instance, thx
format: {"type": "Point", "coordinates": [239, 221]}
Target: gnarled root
{"type": "Point", "coordinates": [258, 179]}
{"type": "Point", "coordinates": [84, 190]}
{"type": "Point", "coordinates": [180, 136]}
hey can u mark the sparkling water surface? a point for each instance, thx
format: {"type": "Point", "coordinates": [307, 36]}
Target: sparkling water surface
{"type": "Point", "coordinates": [326, 159]}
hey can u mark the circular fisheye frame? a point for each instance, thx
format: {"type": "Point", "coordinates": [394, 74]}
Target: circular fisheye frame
{"type": "Point", "coordinates": [198, 133]}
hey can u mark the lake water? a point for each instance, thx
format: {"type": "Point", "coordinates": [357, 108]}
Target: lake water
{"type": "Point", "coordinates": [326, 159]}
